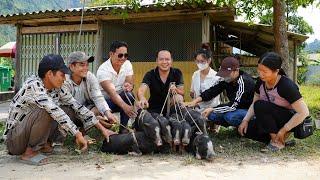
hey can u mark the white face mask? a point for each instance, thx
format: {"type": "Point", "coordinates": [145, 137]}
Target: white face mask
{"type": "Point", "coordinates": [202, 66]}
{"type": "Point", "coordinates": [227, 79]}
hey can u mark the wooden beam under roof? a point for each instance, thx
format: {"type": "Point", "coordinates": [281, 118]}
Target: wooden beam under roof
{"type": "Point", "coordinates": [217, 14]}
{"type": "Point", "coordinates": [58, 29]}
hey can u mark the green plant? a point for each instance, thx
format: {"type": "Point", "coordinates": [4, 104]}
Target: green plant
{"type": "Point", "coordinates": [301, 74]}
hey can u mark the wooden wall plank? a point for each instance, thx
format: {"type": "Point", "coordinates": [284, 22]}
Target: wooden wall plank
{"type": "Point", "coordinates": [58, 29]}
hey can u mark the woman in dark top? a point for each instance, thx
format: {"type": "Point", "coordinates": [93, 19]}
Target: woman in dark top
{"type": "Point", "coordinates": [278, 106]}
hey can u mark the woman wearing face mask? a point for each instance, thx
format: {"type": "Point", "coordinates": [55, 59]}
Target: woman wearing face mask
{"type": "Point", "coordinates": [239, 87]}
{"type": "Point", "coordinates": [204, 78]}
{"type": "Point", "coordinates": [278, 106]}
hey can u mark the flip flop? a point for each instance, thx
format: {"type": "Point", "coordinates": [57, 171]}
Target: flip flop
{"type": "Point", "coordinates": [56, 150]}
{"type": "Point", "coordinates": [270, 148]}
{"type": "Point", "coordinates": [35, 160]}
{"type": "Point", "coordinates": [290, 143]}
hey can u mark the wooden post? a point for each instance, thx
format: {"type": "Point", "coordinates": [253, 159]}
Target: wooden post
{"type": "Point", "coordinates": [295, 62]}
{"type": "Point", "coordinates": [215, 61]}
{"type": "Point", "coordinates": [205, 28]}
{"type": "Point", "coordinates": [99, 43]}
{"type": "Point", "coordinates": [17, 77]}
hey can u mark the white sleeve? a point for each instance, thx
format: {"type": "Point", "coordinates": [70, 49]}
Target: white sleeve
{"type": "Point", "coordinates": [192, 82]}
{"type": "Point", "coordinates": [103, 74]}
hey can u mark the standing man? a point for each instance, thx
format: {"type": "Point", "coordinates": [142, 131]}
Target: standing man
{"type": "Point", "coordinates": [159, 81]}
{"type": "Point", "coordinates": [116, 78]}
{"type": "Point", "coordinates": [35, 115]}
{"type": "Point", "coordinates": [240, 89]}
{"type": "Point", "coordinates": [84, 87]}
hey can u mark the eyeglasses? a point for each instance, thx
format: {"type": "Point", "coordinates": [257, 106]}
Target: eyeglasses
{"type": "Point", "coordinates": [125, 55]}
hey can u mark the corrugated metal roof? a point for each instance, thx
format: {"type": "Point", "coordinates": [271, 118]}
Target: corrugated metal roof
{"type": "Point", "coordinates": [253, 38]}
{"type": "Point", "coordinates": [106, 10]}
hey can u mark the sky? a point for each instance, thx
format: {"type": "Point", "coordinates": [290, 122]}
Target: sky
{"type": "Point", "coordinates": [311, 14]}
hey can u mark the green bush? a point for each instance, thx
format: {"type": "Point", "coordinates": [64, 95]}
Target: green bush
{"type": "Point", "coordinates": [301, 74]}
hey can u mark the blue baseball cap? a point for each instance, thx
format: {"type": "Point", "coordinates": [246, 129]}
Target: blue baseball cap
{"type": "Point", "coordinates": [52, 62]}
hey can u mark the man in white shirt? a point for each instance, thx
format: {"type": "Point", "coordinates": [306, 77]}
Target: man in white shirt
{"type": "Point", "coordinates": [116, 80]}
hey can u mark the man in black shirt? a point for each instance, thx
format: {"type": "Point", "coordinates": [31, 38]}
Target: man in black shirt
{"type": "Point", "coordinates": [159, 81]}
{"type": "Point", "coordinates": [240, 90]}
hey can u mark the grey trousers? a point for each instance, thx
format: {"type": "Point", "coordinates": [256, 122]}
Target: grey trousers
{"type": "Point", "coordinates": [34, 131]}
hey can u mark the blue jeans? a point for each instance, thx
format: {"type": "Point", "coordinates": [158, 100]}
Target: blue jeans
{"type": "Point", "coordinates": [233, 118]}
{"type": "Point", "coordinates": [115, 108]}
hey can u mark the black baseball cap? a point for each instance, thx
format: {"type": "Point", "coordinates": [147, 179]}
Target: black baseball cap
{"type": "Point", "coordinates": [228, 65]}
{"type": "Point", "coordinates": [52, 62]}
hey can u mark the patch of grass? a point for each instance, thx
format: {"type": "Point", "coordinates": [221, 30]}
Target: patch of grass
{"type": "Point", "coordinates": [2, 125]}
{"type": "Point", "coordinates": [191, 160]}
{"type": "Point", "coordinates": [311, 95]}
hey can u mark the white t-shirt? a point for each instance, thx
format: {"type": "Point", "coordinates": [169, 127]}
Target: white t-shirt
{"type": "Point", "coordinates": [198, 87]}
{"type": "Point", "coordinates": [106, 72]}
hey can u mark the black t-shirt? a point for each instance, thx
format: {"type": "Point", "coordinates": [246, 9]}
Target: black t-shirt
{"type": "Point", "coordinates": [158, 89]}
{"type": "Point", "coordinates": [283, 94]}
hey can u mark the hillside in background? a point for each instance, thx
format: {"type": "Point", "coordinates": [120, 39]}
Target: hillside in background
{"type": "Point", "coordinates": [313, 47]}
{"type": "Point", "coordinates": [7, 33]}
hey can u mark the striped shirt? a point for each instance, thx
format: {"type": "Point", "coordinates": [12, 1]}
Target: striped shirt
{"type": "Point", "coordinates": [240, 93]}
{"type": "Point", "coordinates": [33, 95]}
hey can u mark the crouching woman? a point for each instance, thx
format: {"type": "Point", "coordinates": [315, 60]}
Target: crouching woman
{"type": "Point", "coordinates": [278, 106]}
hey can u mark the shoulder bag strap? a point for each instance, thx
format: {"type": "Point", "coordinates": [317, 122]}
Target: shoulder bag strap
{"type": "Point", "coordinates": [265, 91]}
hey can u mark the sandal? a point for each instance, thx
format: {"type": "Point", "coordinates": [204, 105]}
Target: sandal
{"type": "Point", "coordinates": [270, 148]}
{"type": "Point", "coordinates": [290, 143]}
{"type": "Point", "coordinates": [36, 160]}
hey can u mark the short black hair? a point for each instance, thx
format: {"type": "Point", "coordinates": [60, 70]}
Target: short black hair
{"type": "Point", "coordinates": [117, 44]}
{"type": "Point", "coordinates": [164, 49]}
{"type": "Point", "coordinates": [205, 51]}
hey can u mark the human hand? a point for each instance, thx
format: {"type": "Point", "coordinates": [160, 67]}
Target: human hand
{"type": "Point", "coordinates": [127, 87]}
{"type": "Point", "coordinates": [280, 136]}
{"type": "Point", "coordinates": [242, 129]}
{"type": "Point", "coordinates": [111, 118]}
{"type": "Point", "coordinates": [206, 112]}
{"type": "Point", "coordinates": [190, 104]}
{"type": "Point", "coordinates": [107, 133]}
{"type": "Point", "coordinates": [129, 110]}
{"type": "Point", "coordinates": [173, 88]}
{"type": "Point", "coordinates": [81, 142]}
{"type": "Point", "coordinates": [143, 103]}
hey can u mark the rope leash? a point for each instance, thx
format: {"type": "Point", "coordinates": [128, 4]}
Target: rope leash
{"type": "Point", "coordinates": [190, 116]}
{"type": "Point", "coordinates": [165, 101]}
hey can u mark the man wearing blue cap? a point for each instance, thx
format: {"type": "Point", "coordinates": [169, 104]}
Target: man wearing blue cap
{"type": "Point", "coordinates": [35, 118]}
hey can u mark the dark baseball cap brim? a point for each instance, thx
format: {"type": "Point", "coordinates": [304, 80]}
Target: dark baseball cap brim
{"type": "Point", "coordinates": [65, 69]}
{"type": "Point", "coordinates": [90, 59]}
{"type": "Point", "coordinates": [224, 73]}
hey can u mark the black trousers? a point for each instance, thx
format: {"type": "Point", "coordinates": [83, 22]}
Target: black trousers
{"type": "Point", "coordinates": [269, 118]}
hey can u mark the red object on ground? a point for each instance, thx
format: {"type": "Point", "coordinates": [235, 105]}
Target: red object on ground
{"type": "Point", "coordinates": [8, 50]}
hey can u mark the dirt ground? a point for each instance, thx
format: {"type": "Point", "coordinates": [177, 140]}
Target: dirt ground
{"type": "Point", "coordinates": [103, 166]}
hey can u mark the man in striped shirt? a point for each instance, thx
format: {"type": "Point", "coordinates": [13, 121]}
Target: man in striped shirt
{"type": "Point", "coordinates": [35, 118]}
{"type": "Point", "coordinates": [239, 87]}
